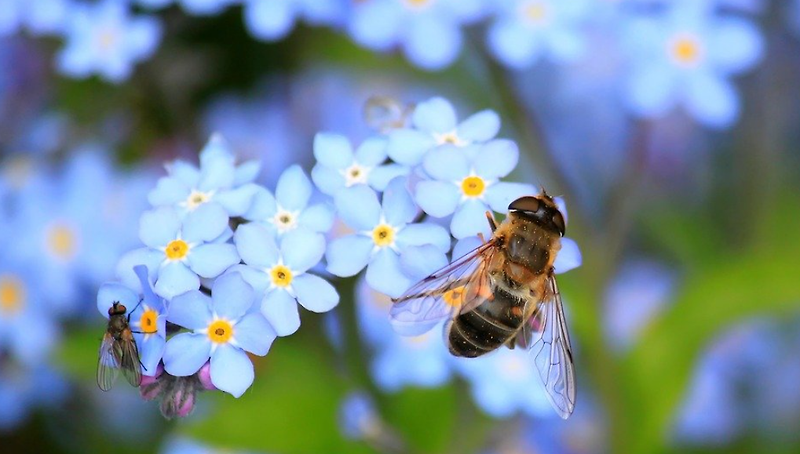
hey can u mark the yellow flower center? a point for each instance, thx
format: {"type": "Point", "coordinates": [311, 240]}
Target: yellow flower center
{"type": "Point", "coordinates": [148, 321]}
{"type": "Point", "coordinates": [418, 4]}
{"type": "Point", "coordinates": [176, 250]}
{"type": "Point", "coordinates": [686, 50]}
{"type": "Point", "coordinates": [535, 12]}
{"type": "Point", "coordinates": [454, 297]}
{"type": "Point", "coordinates": [196, 198]}
{"type": "Point", "coordinates": [220, 331]}
{"type": "Point", "coordinates": [356, 174]}
{"type": "Point", "coordinates": [62, 241]}
{"type": "Point", "coordinates": [383, 235]}
{"type": "Point", "coordinates": [417, 341]}
{"type": "Point", "coordinates": [12, 294]}
{"type": "Point", "coordinates": [281, 276]}
{"type": "Point", "coordinates": [450, 138]}
{"type": "Point", "coordinates": [473, 186]}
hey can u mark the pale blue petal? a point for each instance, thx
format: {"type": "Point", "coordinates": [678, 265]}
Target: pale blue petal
{"type": "Point", "coordinates": [479, 127]}
{"type": "Point", "coordinates": [258, 279]}
{"type": "Point", "coordinates": [269, 20]}
{"type": "Point", "coordinates": [175, 278]}
{"type": "Point", "coordinates": [734, 45]}
{"type": "Point", "coordinates": [469, 219]}
{"type": "Point", "coordinates": [432, 43]}
{"type": "Point", "coordinates": [385, 275]}
{"type": "Point", "coordinates": [186, 172]}
{"type": "Point", "coordinates": [231, 370]}
{"type": "Point", "coordinates": [408, 146]}
{"type": "Point", "coordinates": [500, 195]}
{"type": "Point", "coordinates": [437, 198]}
{"type": "Point", "coordinates": [204, 223]}
{"type": "Point", "coordinates": [333, 150]}
{"type": "Point", "coordinates": [158, 227]}
{"type": "Point", "coordinates": [421, 261]}
{"type": "Point", "coordinates": [112, 292]}
{"type": "Point", "coordinates": [247, 172]}
{"type": "Point", "coordinates": [190, 310]}
{"type": "Point", "coordinates": [496, 159]}
{"type": "Point", "coordinates": [711, 100]}
{"type": "Point", "coordinates": [446, 163]}
{"type": "Point", "coordinates": [263, 206]}
{"type": "Point", "coordinates": [280, 310]}
{"type": "Point", "coordinates": [435, 116]}
{"type": "Point", "coordinates": [568, 257]}
{"type": "Point", "coordinates": [358, 207]}
{"type": "Point", "coordinates": [318, 218]}
{"type": "Point", "coordinates": [376, 25]}
{"type": "Point", "coordinates": [328, 180]}
{"type": "Point", "coordinates": [398, 205]}
{"type": "Point", "coordinates": [513, 44]}
{"type": "Point", "coordinates": [380, 176]}
{"type": "Point", "coordinates": [254, 334]}
{"type": "Point", "coordinates": [465, 246]}
{"type": "Point", "coordinates": [314, 293]}
{"type": "Point", "coordinates": [186, 353]}
{"type": "Point", "coordinates": [302, 249]}
{"type": "Point", "coordinates": [565, 45]}
{"type": "Point", "coordinates": [168, 191]}
{"type": "Point", "coordinates": [142, 256]}
{"type": "Point", "coordinates": [237, 201]}
{"type": "Point", "coordinates": [372, 152]}
{"type": "Point", "coordinates": [151, 352]}
{"type": "Point", "coordinates": [294, 189]}
{"type": "Point", "coordinates": [256, 245]}
{"type": "Point", "coordinates": [652, 90]}
{"type": "Point", "coordinates": [210, 260]}
{"type": "Point", "coordinates": [231, 296]}
{"type": "Point", "coordinates": [348, 255]}
{"type": "Point", "coordinates": [419, 234]}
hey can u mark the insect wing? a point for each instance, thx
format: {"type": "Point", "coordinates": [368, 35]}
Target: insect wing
{"type": "Point", "coordinates": [130, 365]}
{"type": "Point", "coordinates": [108, 363]}
{"type": "Point", "coordinates": [456, 288]}
{"type": "Point", "coordinates": [547, 338]}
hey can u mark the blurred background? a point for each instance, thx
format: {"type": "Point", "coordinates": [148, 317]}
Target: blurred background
{"type": "Point", "coordinates": [671, 128]}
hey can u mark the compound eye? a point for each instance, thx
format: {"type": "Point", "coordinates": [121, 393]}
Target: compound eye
{"type": "Point", "coordinates": [558, 221]}
{"type": "Point", "coordinates": [527, 203]}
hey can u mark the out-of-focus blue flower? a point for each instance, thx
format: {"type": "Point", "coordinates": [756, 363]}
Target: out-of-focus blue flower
{"type": "Point", "coordinates": [434, 123]}
{"type": "Point", "coordinates": [358, 418]}
{"type": "Point", "coordinates": [222, 328]}
{"type": "Point", "coordinates": [273, 19]}
{"type": "Point", "coordinates": [23, 388]}
{"type": "Point", "coordinates": [180, 252]}
{"type": "Point", "coordinates": [386, 239]}
{"type": "Point", "coordinates": [39, 17]}
{"type": "Point", "coordinates": [686, 56]}
{"type": "Point", "coordinates": [466, 182]}
{"type": "Point", "coordinates": [428, 31]}
{"type": "Point", "coordinates": [289, 208]}
{"type": "Point", "coordinates": [528, 30]}
{"type": "Point", "coordinates": [280, 273]}
{"type": "Point", "coordinates": [416, 361]}
{"type": "Point", "coordinates": [338, 167]}
{"type": "Point", "coordinates": [218, 181]}
{"type": "Point", "coordinates": [179, 445]}
{"type": "Point", "coordinates": [506, 382]}
{"type": "Point", "coordinates": [104, 39]}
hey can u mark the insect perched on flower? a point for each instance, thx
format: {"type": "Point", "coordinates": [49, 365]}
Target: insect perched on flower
{"type": "Point", "coordinates": [504, 292]}
{"type": "Point", "coordinates": [118, 351]}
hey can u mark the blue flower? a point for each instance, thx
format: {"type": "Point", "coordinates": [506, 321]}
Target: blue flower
{"type": "Point", "coordinates": [434, 123]}
{"type": "Point", "coordinates": [280, 274]}
{"type": "Point", "coordinates": [180, 252]}
{"type": "Point", "coordinates": [273, 19]}
{"type": "Point", "coordinates": [103, 39]}
{"type": "Point", "coordinates": [222, 328]}
{"type": "Point", "coordinates": [466, 182]}
{"type": "Point", "coordinates": [686, 57]}
{"type": "Point", "coordinates": [428, 31]}
{"type": "Point", "coordinates": [385, 234]}
{"type": "Point", "coordinates": [217, 181]}
{"type": "Point", "coordinates": [289, 208]}
{"type": "Point", "coordinates": [338, 167]}
{"type": "Point", "coordinates": [358, 418]}
{"type": "Point", "coordinates": [22, 388]}
{"type": "Point", "coordinates": [528, 30]}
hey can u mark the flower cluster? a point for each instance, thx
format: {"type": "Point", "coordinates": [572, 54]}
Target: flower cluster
{"type": "Point", "coordinates": [224, 265]}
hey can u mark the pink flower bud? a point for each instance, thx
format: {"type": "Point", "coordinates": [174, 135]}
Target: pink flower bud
{"type": "Point", "coordinates": [204, 375]}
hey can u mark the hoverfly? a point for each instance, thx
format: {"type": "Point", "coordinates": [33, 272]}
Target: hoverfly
{"type": "Point", "coordinates": [504, 292]}
{"type": "Point", "coordinates": [118, 351]}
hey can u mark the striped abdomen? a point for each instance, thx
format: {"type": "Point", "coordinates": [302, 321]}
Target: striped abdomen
{"type": "Point", "coordinates": [487, 327]}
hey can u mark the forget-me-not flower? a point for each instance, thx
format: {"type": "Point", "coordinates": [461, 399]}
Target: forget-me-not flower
{"type": "Point", "coordinates": [273, 19]}
{"type": "Point", "coordinates": [527, 30]}
{"type": "Point", "coordinates": [180, 252]}
{"type": "Point", "coordinates": [467, 183]}
{"type": "Point", "coordinates": [288, 209]}
{"type": "Point", "coordinates": [104, 39]}
{"type": "Point", "coordinates": [339, 167]}
{"type": "Point", "coordinates": [686, 56]}
{"type": "Point", "coordinates": [434, 123]}
{"type": "Point", "coordinates": [384, 234]}
{"type": "Point", "coordinates": [279, 272]}
{"type": "Point", "coordinates": [222, 328]}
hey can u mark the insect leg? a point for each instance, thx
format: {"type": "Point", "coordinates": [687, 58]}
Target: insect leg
{"type": "Point", "coordinates": [492, 222]}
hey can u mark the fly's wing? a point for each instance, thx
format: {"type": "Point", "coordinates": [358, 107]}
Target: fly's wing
{"type": "Point", "coordinates": [547, 338]}
{"type": "Point", "coordinates": [457, 288]}
{"type": "Point", "coordinates": [108, 363]}
{"type": "Point", "coordinates": [130, 365]}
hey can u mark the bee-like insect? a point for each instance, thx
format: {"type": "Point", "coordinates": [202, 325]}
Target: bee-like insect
{"type": "Point", "coordinates": [504, 292]}
{"type": "Point", "coordinates": [118, 351]}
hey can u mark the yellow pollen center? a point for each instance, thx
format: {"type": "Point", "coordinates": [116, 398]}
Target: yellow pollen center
{"type": "Point", "coordinates": [383, 235]}
{"type": "Point", "coordinates": [686, 50]}
{"type": "Point", "coordinates": [418, 3]}
{"type": "Point", "coordinates": [12, 294]}
{"type": "Point", "coordinates": [61, 240]}
{"type": "Point", "coordinates": [176, 250]}
{"type": "Point", "coordinates": [195, 199]}
{"type": "Point", "coordinates": [454, 297]}
{"type": "Point", "coordinates": [220, 331]}
{"type": "Point", "coordinates": [148, 321]}
{"type": "Point", "coordinates": [473, 186]}
{"type": "Point", "coordinates": [281, 276]}
{"type": "Point", "coordinates": [535, 11]}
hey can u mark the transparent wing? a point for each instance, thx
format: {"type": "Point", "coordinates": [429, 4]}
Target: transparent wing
{"type": "Point", "coordinates": [547, 338]}
{"type": "Point", "coordinates": [107, 364]}
{"type": "Point", "coordinates": [456, 288]}
{"type": "Point", "coordinates": [130, 365]}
